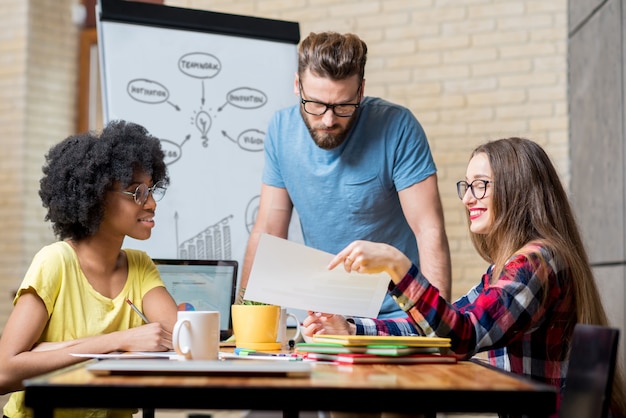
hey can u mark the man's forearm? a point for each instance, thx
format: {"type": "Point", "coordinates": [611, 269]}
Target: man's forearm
{"type": "Point", "coordinates": [436, 266]}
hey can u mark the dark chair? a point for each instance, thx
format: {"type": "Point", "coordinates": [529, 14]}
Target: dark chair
{"type": "Point", "coordinates": [589, 380]}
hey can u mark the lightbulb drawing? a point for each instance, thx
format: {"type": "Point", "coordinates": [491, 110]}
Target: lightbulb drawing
{"type": "Point", "coordinates": [203, 123]}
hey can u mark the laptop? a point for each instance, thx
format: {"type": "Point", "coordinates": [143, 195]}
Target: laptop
{"type": "Point", "coordinates": [201, 367]}
{"type": "Point", "coordinates": [202, 285]}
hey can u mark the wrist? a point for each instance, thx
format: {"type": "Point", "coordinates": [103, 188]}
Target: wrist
{"type": "Point", "coordinates": [401, 268]}
{"type": "Point", "coordinates": [351, 326]}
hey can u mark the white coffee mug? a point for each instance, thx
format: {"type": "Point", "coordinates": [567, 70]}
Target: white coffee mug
{"type": "Point", "coordinates": [282, 328]}
{"type": "Point", "coordinates": [196, 335]}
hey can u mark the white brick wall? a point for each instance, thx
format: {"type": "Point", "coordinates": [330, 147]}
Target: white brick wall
{"type": "Point", "coordinates": [38, 64]}
{"type": "Point", "coordinates": [470, 70]}
{"type": "Point", "coordinates": [13, 59]}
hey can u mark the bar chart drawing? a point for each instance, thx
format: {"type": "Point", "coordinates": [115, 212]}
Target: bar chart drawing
{"type": "Point", "coordinates": [212, 243]}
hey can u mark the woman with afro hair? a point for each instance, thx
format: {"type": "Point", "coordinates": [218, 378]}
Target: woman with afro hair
{"type": "Point", "coordinates": [97, 190]}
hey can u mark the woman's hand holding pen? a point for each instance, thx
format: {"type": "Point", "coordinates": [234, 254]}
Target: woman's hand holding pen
{"type": "Point", "coordinates": [158, 338]}
{"type": "Point", "coordinates": [149, 337]}
{"type": "Point", "coordinates": [324, 323]}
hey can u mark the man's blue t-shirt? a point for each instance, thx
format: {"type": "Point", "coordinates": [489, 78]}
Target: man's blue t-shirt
{"type": "Point", "coordinates": [351, 192]}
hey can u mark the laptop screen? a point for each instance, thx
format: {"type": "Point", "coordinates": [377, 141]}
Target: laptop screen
{"type": "Point", "coordinates": [202, 285]}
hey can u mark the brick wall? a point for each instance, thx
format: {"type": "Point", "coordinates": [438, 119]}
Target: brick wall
{"type": "Point", "coordinates": [38, 58]}
{"type": "Point", "coordinates": [13, 62]}
{"type": "Point", "coordinates": [470, 70]}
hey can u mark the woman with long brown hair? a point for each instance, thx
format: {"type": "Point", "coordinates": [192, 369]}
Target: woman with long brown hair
{"type": "Point", "coordinates": [538, 286]}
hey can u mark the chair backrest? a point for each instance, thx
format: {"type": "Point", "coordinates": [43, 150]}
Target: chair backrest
{"type": "Point", "coordinates": [589, 379]}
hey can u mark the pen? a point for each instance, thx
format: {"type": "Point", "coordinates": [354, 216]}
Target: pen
{"type": "Point", "coordinates": [254, 353]}
{"type": "Point", "coordinates": [243, 353]}
{"type": "Point", "coordinates": [132, 305]}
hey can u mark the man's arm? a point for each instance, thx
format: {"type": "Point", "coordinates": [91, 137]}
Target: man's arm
{"type": "Point", "coordinates": [273, 217]}
{"type": "Point", "coordinates": [422, 208]}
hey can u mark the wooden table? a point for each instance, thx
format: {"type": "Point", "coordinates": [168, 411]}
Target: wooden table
{"type": "Point", "coordinates": [468, 386]}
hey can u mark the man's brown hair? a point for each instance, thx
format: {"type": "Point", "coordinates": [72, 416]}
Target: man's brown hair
{"type": "Point", "coordinates": [332, 55]}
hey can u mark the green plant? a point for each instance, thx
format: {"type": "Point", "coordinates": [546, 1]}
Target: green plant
{"type": "Point", "coordinates": [252, 302]}
{"type": "Point", "coordinates": [242, 301]}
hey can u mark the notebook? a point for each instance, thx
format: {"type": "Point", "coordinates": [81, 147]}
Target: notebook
{"type": "Point", "coordinates": [355, 358]}
{"type": "Point", "coordinates": [380, 350]}
{"type": "Point", "coordinates": [370, 340]}
{"type": "Point", "coordinates": [202, 285]}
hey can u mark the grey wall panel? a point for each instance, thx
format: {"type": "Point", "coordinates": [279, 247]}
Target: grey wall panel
{"type": "Point", "coordinates": [579, 10]}
{"type": "Point", "coordinates": [610, 281]}
{"type": "Point", "coordinates": [623, 110]}
{"type": "Point", "coordinates": [596, 132]}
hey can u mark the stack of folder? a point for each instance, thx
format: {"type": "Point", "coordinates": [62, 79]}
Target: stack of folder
{"type": "Point", "coordinates": [353, 349]}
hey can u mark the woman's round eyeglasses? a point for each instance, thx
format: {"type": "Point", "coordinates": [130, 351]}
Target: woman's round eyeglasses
{"type": "Point", "coordinates": [477, 187]}
{"type": "Point", "coordinates": [140, 195]}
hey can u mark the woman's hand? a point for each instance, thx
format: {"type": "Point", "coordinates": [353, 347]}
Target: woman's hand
{"type": "Point", "coordinates": [149, 337]}
{"type": "Point", "coordinates": [372, 257]}
{"type": "Point", "coordinates": [323, 323]}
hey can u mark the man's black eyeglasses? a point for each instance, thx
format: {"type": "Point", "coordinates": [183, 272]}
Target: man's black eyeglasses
{"type": "Point", "coordinates": [342, 110]}
{"type": "Point", "coordinates": [477, 187]}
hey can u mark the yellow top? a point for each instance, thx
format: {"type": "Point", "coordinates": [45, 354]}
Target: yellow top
{"type": "Point", "coordinates": [77, 310]}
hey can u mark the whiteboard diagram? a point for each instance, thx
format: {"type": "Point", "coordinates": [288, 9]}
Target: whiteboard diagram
{"type": "Point", "coordinates": [209, 97]}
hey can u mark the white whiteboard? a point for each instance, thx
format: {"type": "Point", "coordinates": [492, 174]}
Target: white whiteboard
{"type": "Point", "coordinates": [209, 96]}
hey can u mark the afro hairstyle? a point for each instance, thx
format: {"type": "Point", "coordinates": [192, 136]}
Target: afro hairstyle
{"type": "Point", "coordinates": [80, 170]}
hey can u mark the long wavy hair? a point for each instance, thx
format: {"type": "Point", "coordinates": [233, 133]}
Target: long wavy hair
{"type": "Point", "coordinates": [529, 203]}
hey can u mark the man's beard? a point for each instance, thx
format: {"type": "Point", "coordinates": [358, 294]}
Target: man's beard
{"type": "Point", "coordinates": [326, 140]}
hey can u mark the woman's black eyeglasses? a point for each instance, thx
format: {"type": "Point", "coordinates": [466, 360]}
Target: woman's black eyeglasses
{"type": "Point", "coordinates": [477, 187]}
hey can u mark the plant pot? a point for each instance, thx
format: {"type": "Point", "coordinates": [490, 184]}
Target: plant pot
{"type": "Point", "coordinates": [256, 326]}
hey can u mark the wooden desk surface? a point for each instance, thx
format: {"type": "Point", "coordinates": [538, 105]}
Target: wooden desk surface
{"type": "Point", "coordinates": [464, 387]}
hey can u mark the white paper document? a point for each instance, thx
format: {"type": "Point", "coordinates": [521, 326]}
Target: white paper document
{"type": "Point", "coordinates": [294, 276]}
{"type": "Point", "coordinates": [171, 355]}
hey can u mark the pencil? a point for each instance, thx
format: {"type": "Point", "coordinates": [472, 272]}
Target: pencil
{"type": "Point", "coordinates": [132, 305]}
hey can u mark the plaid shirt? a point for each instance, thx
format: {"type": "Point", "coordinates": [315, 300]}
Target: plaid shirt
{"type": "Point", "coordinates": [524, 320]}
